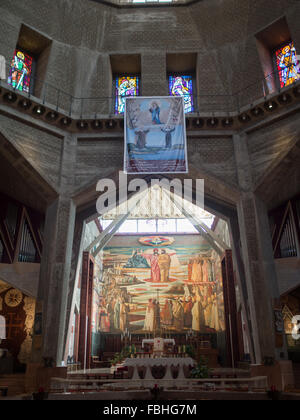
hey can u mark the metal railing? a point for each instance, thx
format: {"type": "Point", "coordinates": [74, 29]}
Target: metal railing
{"type": "Point", "coordinates": [95, 107]}
{"type": "Point", "coordinates": [152, 3]}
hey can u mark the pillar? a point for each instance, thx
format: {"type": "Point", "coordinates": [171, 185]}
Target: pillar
{"type": "Point", "coordinates": [86, 301]}
{"type": "Point", "coordinates": [56, 263]}
{"type": "Point", "coordinates": [257, 252]}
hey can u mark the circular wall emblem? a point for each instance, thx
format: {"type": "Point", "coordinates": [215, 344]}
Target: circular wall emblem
{"type": "Point", "coordinates": [13, 298]}
{"type": "Point", "coordinates": [156, 241]}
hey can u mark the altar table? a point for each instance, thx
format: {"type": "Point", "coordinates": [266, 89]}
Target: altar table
{"type": "Point", "coordinates": [167, 362]}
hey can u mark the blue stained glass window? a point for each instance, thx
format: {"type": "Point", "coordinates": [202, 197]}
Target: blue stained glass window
{"type": "Point", "coordinates": [287, 65]}
{"type": "Point", "coordinates": [182, 86]}
{"type": "Point", "coordinates": [20, 71]}
{"type": "Point", "coordinates": [125, 86]}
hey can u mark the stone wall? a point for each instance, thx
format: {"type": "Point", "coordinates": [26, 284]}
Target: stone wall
{"type": "Point", "coordinates": [84, 34]}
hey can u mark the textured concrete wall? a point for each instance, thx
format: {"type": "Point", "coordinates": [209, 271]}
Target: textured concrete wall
{"type": "Point", "coordinates": [288, 270]}
{"type": "Point", "coordinates": [268, 146]}
{"type": "Point", "coordinates": [94, 157]}
{"type": "Point", "coordinates": [84, 33]}
{"type": "Point", "coordinates": [40, 149]}
{"type": "Point", "coordinates": [23, 276]}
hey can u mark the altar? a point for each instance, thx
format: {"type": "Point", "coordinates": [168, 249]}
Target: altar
{"type": "Point", "coordinates": [167, 362]}
{"type": "Point", "coordinates": [158, 344]}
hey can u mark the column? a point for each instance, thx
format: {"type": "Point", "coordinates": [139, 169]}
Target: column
{"type": "Point", "coordinates": [257, 252]}
{"type": "Point", "coordinates": [56, 263]}
{"type": "Point", "coordinates": [261, 277]}
{"type": "Point", "coordinates": [85, 328]}
{"type": "Point", "coordinates": [76, 261]}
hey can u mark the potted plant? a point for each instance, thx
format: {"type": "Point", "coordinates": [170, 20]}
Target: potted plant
{"type": "Point", "coordinates": [190, 351]}
{"type": "Point", "coordinates": [201, 371]}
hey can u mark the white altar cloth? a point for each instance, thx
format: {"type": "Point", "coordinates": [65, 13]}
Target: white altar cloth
{"type": "Point", "coordinates": [159, 361]}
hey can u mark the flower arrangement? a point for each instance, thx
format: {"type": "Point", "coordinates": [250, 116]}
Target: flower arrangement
{"type": "Point", "coordinates": [201, 371]}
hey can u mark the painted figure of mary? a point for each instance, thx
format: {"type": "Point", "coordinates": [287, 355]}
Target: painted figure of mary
{"type": "Point", "coordinates": [150, 316]}
{"type": "Point", "coordinates": [155, 111]}
{"type": "Point", "coordinates": [117, 314]}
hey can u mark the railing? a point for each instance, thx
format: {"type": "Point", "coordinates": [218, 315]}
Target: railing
{"type": "Point", "coordinates": [72, 385]}
{"type": "Point", "coordinates": [146, 2]}
{"type": "Point", "coordinates": [95, 107]}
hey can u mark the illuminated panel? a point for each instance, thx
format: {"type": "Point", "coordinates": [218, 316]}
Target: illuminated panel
{"type": "Point", "coordinates": [182, 86]}
{"type": "Point", "coordinates": [287, 65]}
{"type": "Point", "coordinates": [20, 71]}
{"type": "Point", "coordinates": [125, 86]}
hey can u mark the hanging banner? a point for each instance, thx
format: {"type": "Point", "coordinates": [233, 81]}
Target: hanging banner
{"type": "Point", "coordinates": [155, 135]}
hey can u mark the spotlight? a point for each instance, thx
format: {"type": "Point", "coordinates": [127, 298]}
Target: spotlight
{"type": "Point", "coordinates": [257, 111]}
{"type": "Point", "coordinates": [198, 122]}
{"type": "Point", "coordinates": [38, 110]}
{"type": "Point", "coordinates": [284, 98]}
{"type": "Point", "coordinates": [65, 121]}
{"type": "Point", "coordinates": [10, 97]}
{"type": "Point", "coordinates": [97, 124]}
{"type": "Point", "coordinates": [212, 122]}
{"type": "Point", "coordinates": [82, 125]}
{"type": "Point", "coordinates": [244, 117]}
{"type": "Point", "coordinates": [25, 103]}
{"type": "Point", "coordinates": [227, 122]}
{"type": "Point", "coordinates": [270, 106]}
{"type": "Point", "coordinates": [110, 124]}
{"type": "Point", "coordinates": [52, 116]}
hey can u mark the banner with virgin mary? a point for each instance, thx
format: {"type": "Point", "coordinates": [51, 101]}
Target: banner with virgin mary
{"type": "Point", "coordinates": [155, 135]}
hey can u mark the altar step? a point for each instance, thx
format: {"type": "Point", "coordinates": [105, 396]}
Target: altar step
{"type": "Point", "coordinates": [14, 382]}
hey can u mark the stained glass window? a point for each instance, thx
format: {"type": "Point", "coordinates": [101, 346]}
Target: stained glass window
{"type": "Point", "coordinates": [182, 86]}
{"type": "Point", "coordinates": [287, 65]}
{"type": "Point", "coordinates": [125, 86]}
{"type": "Point", "coordinates": [20, 71]}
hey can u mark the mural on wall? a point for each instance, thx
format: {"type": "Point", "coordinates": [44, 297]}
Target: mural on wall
{"type": "Point", "coordinates": [168, 288]}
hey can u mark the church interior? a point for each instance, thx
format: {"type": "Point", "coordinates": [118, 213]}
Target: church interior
{"type": "Point", "coordinates": [158, 297]}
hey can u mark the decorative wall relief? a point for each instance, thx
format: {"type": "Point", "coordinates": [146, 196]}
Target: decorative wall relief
{"type": "Point", "coordinates": [25, 351]}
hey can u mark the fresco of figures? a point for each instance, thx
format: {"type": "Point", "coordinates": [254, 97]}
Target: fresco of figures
{"type": "Point", "coordinates": [171, 288]}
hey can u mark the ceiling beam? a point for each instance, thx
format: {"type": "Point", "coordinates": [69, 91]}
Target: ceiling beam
{"type": "Point", "coordinates": [199, 228]}
{"type": "Point", "coordinates": [109, 232]}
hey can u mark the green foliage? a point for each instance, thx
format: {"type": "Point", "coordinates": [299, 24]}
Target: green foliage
{"type": "Point", "coordinates": [125, 353]}
{"type": "Point", "coordinates": [190, 351]}
{"type": "Point", "coordinates": [201, 371]}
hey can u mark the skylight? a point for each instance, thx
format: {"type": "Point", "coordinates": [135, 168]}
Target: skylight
{"type": "Point", "coordinates": [156, 226]}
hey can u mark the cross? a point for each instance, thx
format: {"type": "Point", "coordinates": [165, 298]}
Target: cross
{"type": "Point", "coordinates": [13, 324]}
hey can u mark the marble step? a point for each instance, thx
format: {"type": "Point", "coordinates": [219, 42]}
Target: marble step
{"type": "Point", "coordinates": [15, 383]}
